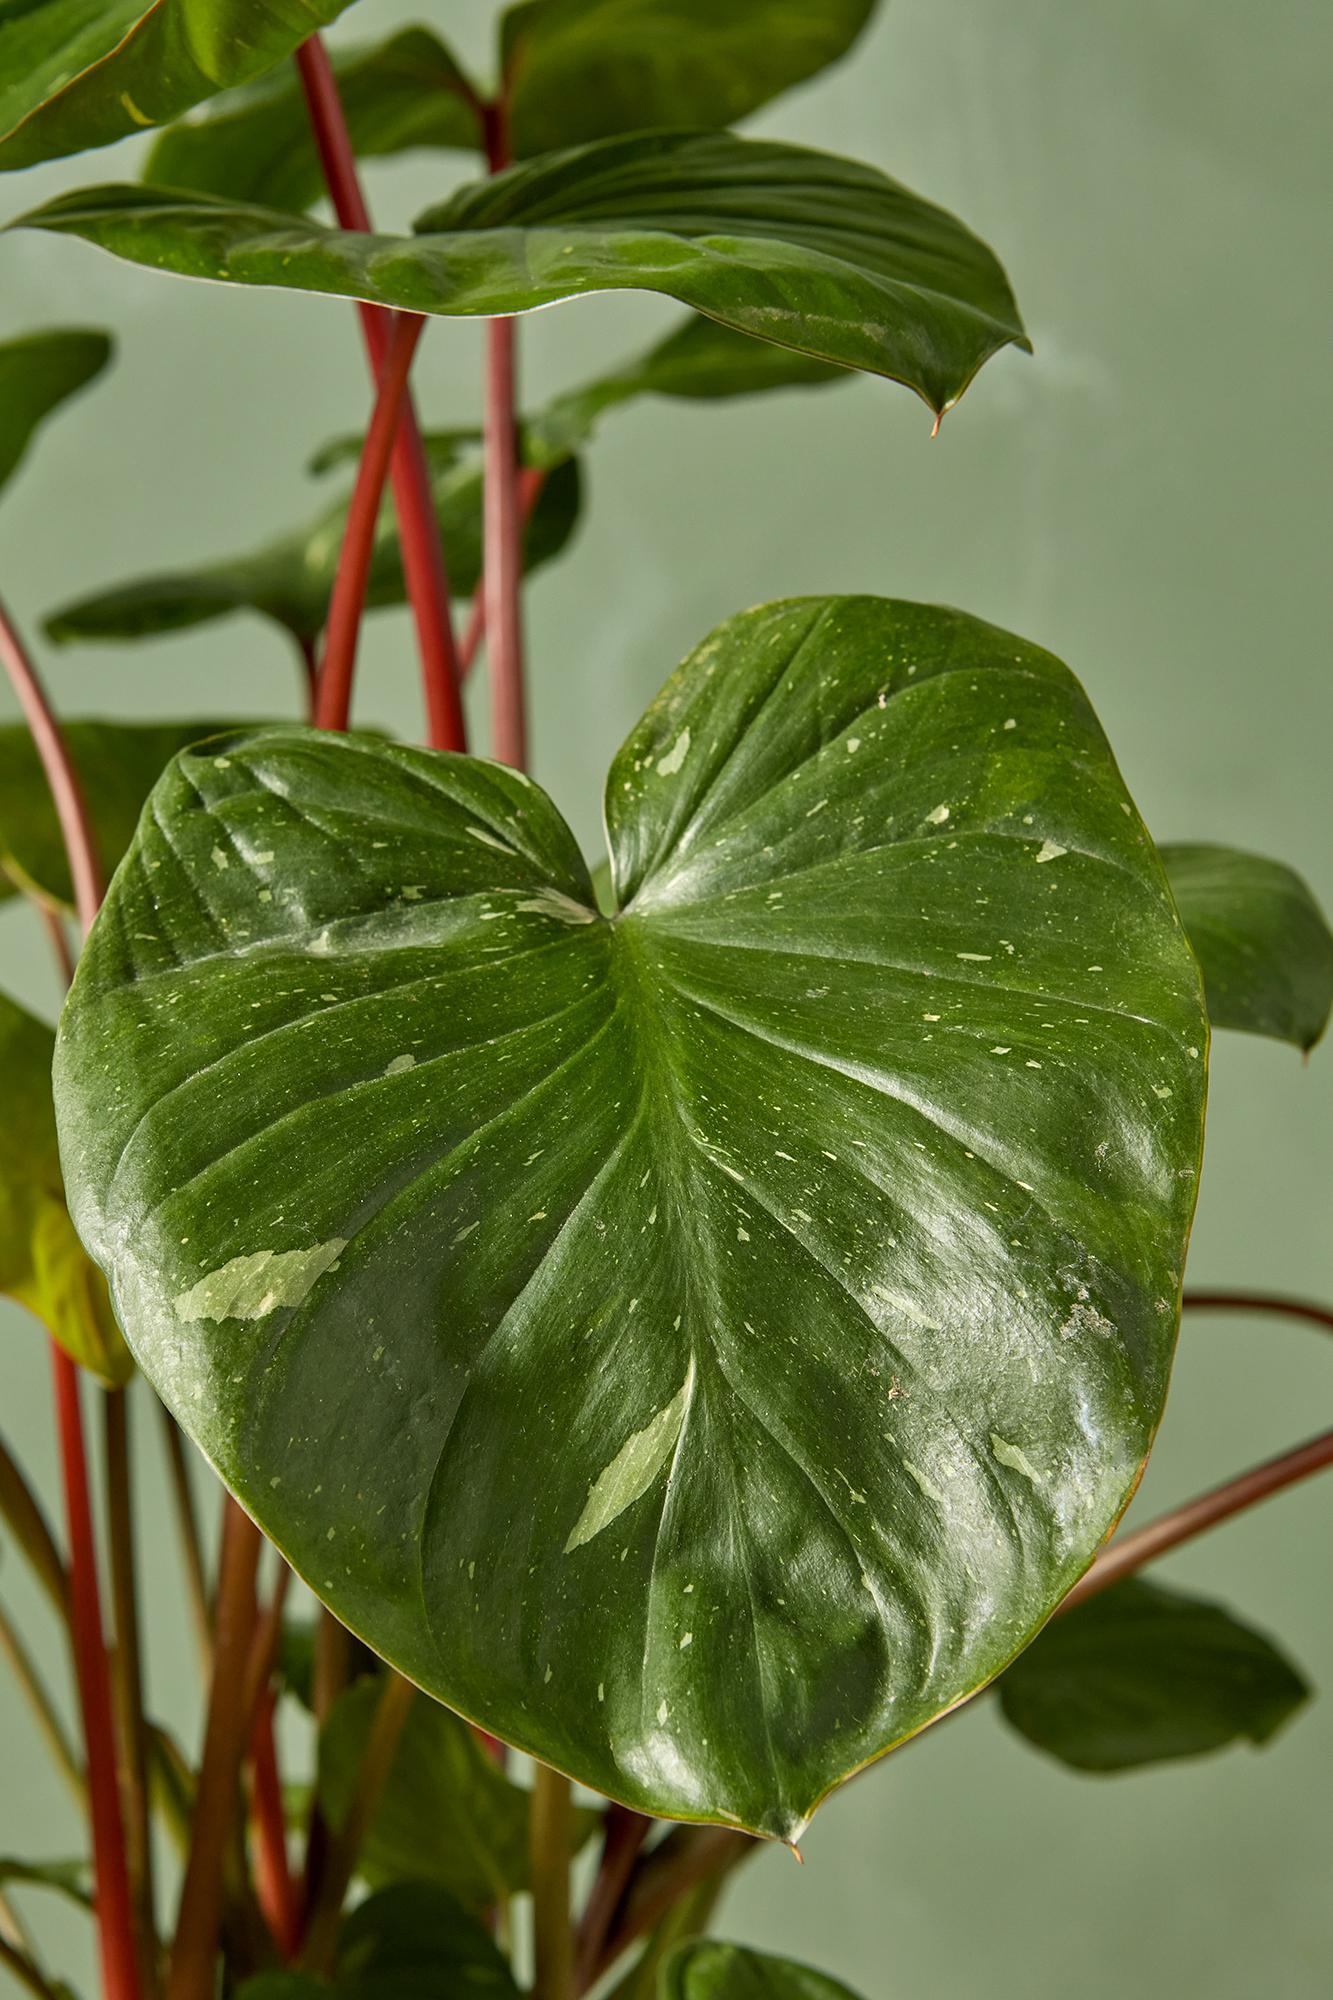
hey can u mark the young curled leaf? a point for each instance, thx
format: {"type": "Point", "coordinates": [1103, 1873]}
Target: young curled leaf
{"type": "Point", "coordinates": [700, 1344]}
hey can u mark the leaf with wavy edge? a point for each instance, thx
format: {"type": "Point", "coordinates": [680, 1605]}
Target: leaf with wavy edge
{"type": "Point", "coordinates": [868, 1129]}
{"type": "Point", "coordinates": [800, 248]}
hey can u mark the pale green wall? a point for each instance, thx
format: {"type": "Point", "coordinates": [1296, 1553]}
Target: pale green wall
{"type": "Point", "coordinates": [1145, 498]}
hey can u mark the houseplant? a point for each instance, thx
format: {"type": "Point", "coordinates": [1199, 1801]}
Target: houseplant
{"type": "Point", "coordinates": [988, 773]}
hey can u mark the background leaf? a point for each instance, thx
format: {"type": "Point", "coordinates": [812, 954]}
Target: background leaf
{"type": "Point", "coordinates": [72, 1879]}
{"type": "Point", "coordinates": [707, 1969]}
{"type": "Point", "coordinates": [38, 372]}
{"type": "Point", "coordinates": [411, 1942]}
{"type": "Point", "coordinates": [1140, 1674]}
{"type": "Point", "coordinates": [704, 1345]}
{"type": "Point", "coordinates": [800, 248]}
{"type": "Point", "coordinates": [448, 1814]}
{"type": "Point", "coordinates": [117, 764]}
{"type": "Point", "coordinates": [585, 69]}
{"type": "Point", "coordinates": [290, 580]}
{"type": "Point", "coordinates": [254, 144]}
{"type": "Point", "coordinates": [42, 1263]}
{"type": "Point", "coordinates": [80, 73]}
{"type": "Point", "coordinates": [1261, 938]}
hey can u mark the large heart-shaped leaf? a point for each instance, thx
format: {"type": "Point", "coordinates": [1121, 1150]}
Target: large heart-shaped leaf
{"type": "Point", "coordinates": [38, 372]}
{"type": "Point", "coordinates": [1261, 938]}
{"type": "Point", "coordinates": [411, 1942]}
{"type": "Point", "coordinates": [255, 144]}
{"type": "Point", "coordinates": [703, 1345]}
{"type": "Point", "coordinates": [117, 764]}
{"type": "Point", "coordinates": [42, 1262]}
{"type": "Point", "coordinates": [447, 1813]}
{"type": "Point", "coordinates": [80, 73]}
{"type": "Point", "coordinates": [707, 1969]}
{"type": "Point", "coordinates": [1140, 1674]}
{"type": "Point", "coordinates": [290, 580]}
{"type": "Point", "coordinates": [584, 69]}
{"type": "Point", "coordinates": [796, 247]}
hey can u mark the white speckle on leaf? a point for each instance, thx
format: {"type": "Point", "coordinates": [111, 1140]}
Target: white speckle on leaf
{"type": "Point", "coordinates": [675, 757]}
{"type": "Point", "coordinates": [489, 839]}
{"type": "Point", "coordinates": [1161, 1090]}
{"type": "Point", "coordinates": [251, 1286]}
{"type": "Point", "coordinates": [220, 861]}
{"type": "Point", "coordinates": [688, 1640]}
{"type": "Point", "coordinates": [974, 957]}
{"type": "Point", "coordinates": [1050, 850]}
{"type": "Point", "coordinates": [663, 1711]}
{"type": "Point", "coordinates": [938, 817]}
{"type": "Point", "coordinates": [633, 1469]}
{"type": "Point", "coordinates": [1010, 722]}
{"type": "Point", "coordinates": [551, 903]}
{"type": "Point", "coordinates": [1017, 1460]}
{"type": "Point", "coordinates": [853, 745]}
{"type": "Point", "coordinates": [399, 1065]}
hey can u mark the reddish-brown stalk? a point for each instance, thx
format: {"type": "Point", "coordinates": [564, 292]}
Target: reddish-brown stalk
{"type": "Point", "coordinates": [115, 1913]}
{"type": "Point", "coordinates": [502, 576]}
{"type": "Point", "coordinates": [1259, 1302]}
{"type": "Point", "coordinates": [530, 483]}
{"type": "Point", "coordinates": [418, 529]}
{"type": "Point", "coordinates": [333, 697]}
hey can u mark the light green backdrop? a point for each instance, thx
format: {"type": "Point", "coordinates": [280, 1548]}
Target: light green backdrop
{"type": "Point", "coordinates": [1149, 497]}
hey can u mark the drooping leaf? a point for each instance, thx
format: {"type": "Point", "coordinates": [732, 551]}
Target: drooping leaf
{"type": "Point", "coordinates": [410, 1942]}
{"type": "Point", "coordinates": [71, 1879]}
{"type": "Point", "coordinates": [80, 73]}
{"type": "Point", "coordinates": [791, 246]}
{"type": "Point", "coordinates": [42, 1262]}
{"type": "Point", "coordinates": [290, 580]}
{"type": "Point", "coordinates": [707, 1969]}
{"type": "Point", "coordinates": [38, 372]}
{"type": "Point", "coordinates": [117, 764]}
{"type": "Point", "coordinates": [586, 69]}
{"type": "Point", "coordinates": [704, 1345]}
{"type": "Point", "coordinates": [448, 1814]}
{"type": "Point", "coordinates": [254, 144]}
{"type": "Point", "coordinates": [1261, 938]}
{"type": "Point", "coordinates": [1140, 1674]}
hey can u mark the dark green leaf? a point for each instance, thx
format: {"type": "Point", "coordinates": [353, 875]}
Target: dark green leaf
{"type": "Point", "coordinates": [1140, 1674]}
{"type": "Point", "coordinates": [37, 373]}
{"type": "Point", "coordinates": [448, 1814]}
{"type": "Point", "coordinates": [1261, 938]}
{"type": "Point", "coordinates": [795, 247]}
{"type": "Point", "coordinates": [443, 449]}
{"type": "Point", "coordinates": [117, 764]}
{"type": "Point", "coordinates": [72, 1879]}
{"type": "Point", "coordinates": [42, 1262]}
{"type": "Point", "coordinates": [290, 580]}
{"type": "Point", "coordinates": [411, 1942]}
{"type": "Point", "coordinates": [585, 69]}
{"type": "Point", "coordinates": [700, 1346]}
{"type": "Point", "coordinates": [255, 145]}
{"type": "Point", "coordinates": [707, 1969]}
{"type": "Point", "coordinates": [80, 73]}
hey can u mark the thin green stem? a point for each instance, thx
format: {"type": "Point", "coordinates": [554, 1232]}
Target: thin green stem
{"type": "Point", "coordinates": [552, 1834]}
{"type": "Point", "coordinates": [127, 1679]}
{"type": "Point", "coordinates": [43, 1708]}
{"type": "Point", "coordinates": [22, 1514]}
{"type": "Point", "coordinates": [1131, 1552]}
{"type": "Point", "coordinates": [194, 1953]}
{"type": "Point", "coordinates": [191, 1541]}
{"type": "Point", "coordinates": [347, 1840]}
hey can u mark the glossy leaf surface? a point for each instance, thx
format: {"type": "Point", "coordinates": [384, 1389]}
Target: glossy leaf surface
{"type": "Point", "coordinates": [80, 73]}
{"type": "Point", "coordinates": [792, 246]}
{"type": "Point", "coordinates": [117, 764]}
{"type": "Point", "coordinates": [1140, 1674]}
{"type": "Point", "coordinates": [703, 1345]}
{"type": "Point", "coordinates": [42, 1262]}
{"type": "Point", "coordinates": [585, 69]}
{"type": "Point", "coordinates": [448, 1814]}
{"type": "Point", "coordinates": [411, 1942]}
{"type": "Point", "coordinates": [1261, 938]}
{"type": "Point", "coordinates": [255, 145]}
{"type": "Point", "coordinates": [290, 580]}
{"type": "Point", "coordinates": [38, 372]}
{"type": "Point", "coordinates": [708, 1969]}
